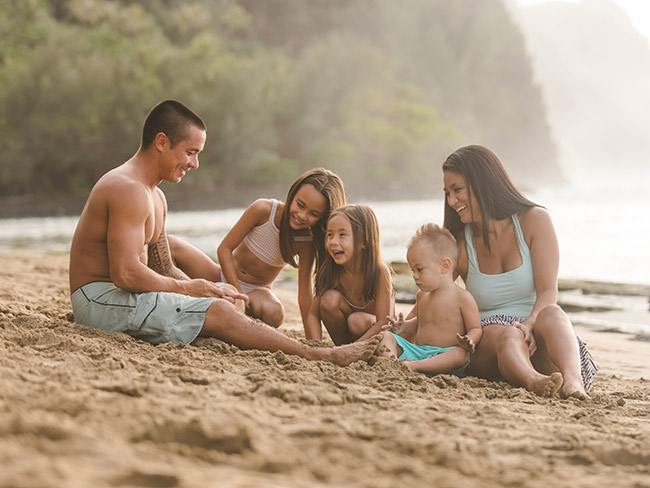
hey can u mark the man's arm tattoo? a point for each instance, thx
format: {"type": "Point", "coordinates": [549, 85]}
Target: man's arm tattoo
{"type": "Point", "coordinates": [159, 259]}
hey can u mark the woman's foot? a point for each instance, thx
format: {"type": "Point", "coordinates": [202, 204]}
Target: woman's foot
{"type": "Point", "coordinates": [547, 386]}
{"type": "Point", "coordinates": [574, 389]}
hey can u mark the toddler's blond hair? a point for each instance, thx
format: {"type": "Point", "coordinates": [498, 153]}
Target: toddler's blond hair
{"type": "Point", "coordinates": [441, 240]}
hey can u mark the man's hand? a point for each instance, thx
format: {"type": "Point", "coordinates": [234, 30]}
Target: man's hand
{"type": "Point", "coordinates": [465, 342]}
{"type": "Point", "coordinates": [231, 293]}
{"type": "Point", "coordinates": [204, 288]}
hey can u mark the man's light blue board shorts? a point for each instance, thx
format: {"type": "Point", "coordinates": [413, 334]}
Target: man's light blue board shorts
{"type": "Point", "coordinates": [155, 317]}
{"type": "Point", "coordinates": [413, 352]}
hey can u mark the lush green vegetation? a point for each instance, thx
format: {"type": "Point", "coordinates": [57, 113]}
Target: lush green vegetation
{"type": "Point", "coordinates": [377, 90]}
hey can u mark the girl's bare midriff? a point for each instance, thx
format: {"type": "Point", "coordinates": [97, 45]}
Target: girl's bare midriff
{"type": "Point", "coordinates": [251, 270]}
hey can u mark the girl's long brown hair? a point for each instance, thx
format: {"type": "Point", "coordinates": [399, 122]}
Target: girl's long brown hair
{"type": "Point", "coordinates": [365, 232]}
{"type": "Point", "coordinates": [331, 187]}
{"type": "Point", "coordinates": [487, 179]}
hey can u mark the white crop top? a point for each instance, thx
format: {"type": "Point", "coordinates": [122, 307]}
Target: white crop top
{"type": "Point", "coordinates": [264, 240]}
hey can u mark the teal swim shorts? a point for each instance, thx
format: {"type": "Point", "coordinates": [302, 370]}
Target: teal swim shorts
{"type": "Point", "coordinates": [155, 317]}
{"type": "Point", "coordinates": [413, 352]}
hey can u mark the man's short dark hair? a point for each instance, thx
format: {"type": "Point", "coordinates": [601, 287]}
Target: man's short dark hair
{"type": "Point", "coordinates": [173, 119]}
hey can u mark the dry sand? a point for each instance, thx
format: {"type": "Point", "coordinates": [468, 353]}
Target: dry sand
{"type": "Point", "coordinates": [84, 408]}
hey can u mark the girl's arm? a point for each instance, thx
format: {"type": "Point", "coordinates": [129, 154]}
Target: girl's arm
{"type": "Point", "coordinates": [311, 323]}
{"type": "Point", "coordinates": [256, 214]}
{"type": "Point", "coordinates": [383, 302]}
{"type": "Point", "coordinates": [544, 250]}
{"type": "Point", "coordinates": [305, 290]}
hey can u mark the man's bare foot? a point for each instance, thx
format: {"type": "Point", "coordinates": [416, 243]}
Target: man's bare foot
{"type": "Point", "coordinates": [574, 390]}
{"type": "Point", "coordinates": [547, 386]}
{"type": "Point", "coordinates": [349, 353]}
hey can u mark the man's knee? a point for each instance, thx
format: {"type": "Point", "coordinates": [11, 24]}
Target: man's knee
{"type": "Point", "coordinates": [240, 305]}
{"type": "Point", "coordinates": [220, 316]}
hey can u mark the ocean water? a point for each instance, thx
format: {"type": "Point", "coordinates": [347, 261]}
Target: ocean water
{"type": "Point", "coordinates": [603, 230]}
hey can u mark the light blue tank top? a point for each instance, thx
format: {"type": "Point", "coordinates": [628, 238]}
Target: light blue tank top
{"type": "Point", "coordinates": [510, 293]}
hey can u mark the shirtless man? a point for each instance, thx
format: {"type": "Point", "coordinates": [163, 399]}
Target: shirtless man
{"type": "Point", "coordinates": [122, 277]}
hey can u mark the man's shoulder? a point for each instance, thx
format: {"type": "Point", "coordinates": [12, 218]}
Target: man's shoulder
{"type": "Point", "coordinates": [119, 186]}
{"type": "Point", "coordinates": [118, 177]}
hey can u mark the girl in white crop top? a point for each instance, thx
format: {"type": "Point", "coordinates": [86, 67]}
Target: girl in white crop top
{"type": "Point", "coordinates": [268, 235]}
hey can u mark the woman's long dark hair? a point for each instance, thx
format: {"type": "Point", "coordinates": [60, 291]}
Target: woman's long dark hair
{"type": "Point", "coordinates": [331, 187]}
{"type": "Point", "coordinates": [487, 179]}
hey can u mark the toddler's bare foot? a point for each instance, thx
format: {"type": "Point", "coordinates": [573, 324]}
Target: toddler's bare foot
{"type": "Point", "coordinates": [547, 386]}
{"type": "Point", "coordinates": [349, 353]}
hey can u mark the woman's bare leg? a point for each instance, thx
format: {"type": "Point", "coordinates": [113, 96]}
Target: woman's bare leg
{"type": "Point", "coordinates": [192, 261]}
{"type": "Point", "coordinates": [557, 349]}
{"type": "Point", "coordinates": [502, 353]}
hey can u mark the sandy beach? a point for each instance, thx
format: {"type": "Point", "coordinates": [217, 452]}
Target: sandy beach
{"type": "Point", "coordinates": [83, 408]}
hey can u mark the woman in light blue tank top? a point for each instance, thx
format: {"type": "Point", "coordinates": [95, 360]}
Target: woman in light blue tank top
{"type": "Point", "coordinates": [509, 260]}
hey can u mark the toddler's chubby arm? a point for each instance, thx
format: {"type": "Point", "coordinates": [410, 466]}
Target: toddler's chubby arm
{"type": "Point", "coordinates": [401, 326]}
{"type": "Point", "coordinates": [472, 320]}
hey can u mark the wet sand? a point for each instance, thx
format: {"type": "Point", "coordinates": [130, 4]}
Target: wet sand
{"type": "Point", "coordinates": [83, 408]}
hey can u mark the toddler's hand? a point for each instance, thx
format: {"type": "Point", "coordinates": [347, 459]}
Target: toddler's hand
{"type": "Point", "coordinates": [396, 326]}
{"type": "Point", "coordinates": [466, 343]}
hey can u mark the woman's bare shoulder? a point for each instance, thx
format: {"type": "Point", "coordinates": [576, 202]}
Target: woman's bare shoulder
{"type": "Point", "coordinates": [534, 217]}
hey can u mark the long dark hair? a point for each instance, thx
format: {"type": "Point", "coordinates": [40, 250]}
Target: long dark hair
{"type": "Point", "coordinates": [365, 232]}
{"type": "Point", "coordinates": [487, 179]}
{"type": "Point", "coordinates": [331, 187]}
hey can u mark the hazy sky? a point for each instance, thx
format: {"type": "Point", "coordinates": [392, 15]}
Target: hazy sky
{"type": "Point", "coordinates": [637, 10]}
